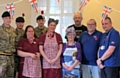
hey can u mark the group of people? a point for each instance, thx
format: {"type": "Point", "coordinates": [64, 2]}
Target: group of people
{"type": "Point", "coordinates": [40, 52]}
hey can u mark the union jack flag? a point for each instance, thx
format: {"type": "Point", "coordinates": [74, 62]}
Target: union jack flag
{"type": "Point", "coordinates": [83, 3]}
{"type": "Point", "coordinates": [10, 8]}
{"type": "Point", "coordinates": [34, 4]}
{"type": "Point", "coordinates": [106, 11]}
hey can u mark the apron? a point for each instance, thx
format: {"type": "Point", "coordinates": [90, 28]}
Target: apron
{"type": "Point", "coordinates": [69, 57]}
{"type": "Point", "coordinates": [51, 50]}
{"type": "Point", "coordinates": [31, 68]}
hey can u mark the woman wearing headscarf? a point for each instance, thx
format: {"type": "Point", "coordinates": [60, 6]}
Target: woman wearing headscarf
{"type": "Point", "coordinates": [71, 55]}
{"type": "Point", "coordinates": [50, 45]}
{"type": "Point", "coordinates": [28, 50]}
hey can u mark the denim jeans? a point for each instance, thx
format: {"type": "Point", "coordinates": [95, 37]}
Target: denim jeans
{"type": "Point", "coordinates": [90, 70]}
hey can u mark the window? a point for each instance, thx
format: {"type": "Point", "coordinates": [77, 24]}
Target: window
{"type": "Point", "coordinates": [62, 11]}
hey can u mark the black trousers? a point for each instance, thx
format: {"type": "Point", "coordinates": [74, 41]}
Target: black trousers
{"type": "Point", "coordinates": [110, 72]}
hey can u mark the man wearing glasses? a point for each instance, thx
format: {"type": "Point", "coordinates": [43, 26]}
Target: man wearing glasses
{"type": "Point", "coordinates": [89, 41]}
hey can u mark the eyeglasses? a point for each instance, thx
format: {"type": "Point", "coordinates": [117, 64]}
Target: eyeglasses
{"type": "Point", "coordinates": [90, 24]}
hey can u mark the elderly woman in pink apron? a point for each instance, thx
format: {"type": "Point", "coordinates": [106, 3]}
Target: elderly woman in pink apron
{"type": "Point", "coordinates": [71, 56]}
{"type": "Point", "coordinates": [50, 45]}
{"type": "Point", "coordinates": [28, 50]}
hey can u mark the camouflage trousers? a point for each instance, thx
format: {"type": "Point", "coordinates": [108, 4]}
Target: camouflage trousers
{"type": "Point", "coordinates": [17, 63]}
{"type": "Point", "coordinates": [6, 66]}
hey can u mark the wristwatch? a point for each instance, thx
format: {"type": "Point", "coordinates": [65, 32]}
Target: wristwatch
{"type": "Point", "coordinates": [100, 59]}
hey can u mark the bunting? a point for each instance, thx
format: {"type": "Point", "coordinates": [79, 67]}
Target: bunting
{"type": "Point", "coordinates": [83, 3]}
{"type": "Point", "coordinates": [106, 11]}
{"type": "Point", "coordinates": [10, 8]}
{"type": "Point", "coordinates": [34, 4]}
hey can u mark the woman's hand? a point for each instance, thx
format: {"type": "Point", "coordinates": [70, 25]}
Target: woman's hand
{"type": "Point", "coordinates": [49, 61]}
{"type": "Point", "coordinates": [70, 68]}
{"type": "Point", "coordinates": [53, 61]}
{"type": "Point", "coordinates": [38, 55]}
{"type": "Point", "coordinates": [65, 66]}
{"type": "Point", "coordinates": [34, 56]}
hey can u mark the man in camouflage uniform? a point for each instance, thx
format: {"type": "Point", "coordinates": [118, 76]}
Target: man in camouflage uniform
{"type": "Point", "coordinates": [19, 34]}
{"type": "Point", "coordinates": [7, 47]}
{"type": "Point", "coordinates": [40, 29]}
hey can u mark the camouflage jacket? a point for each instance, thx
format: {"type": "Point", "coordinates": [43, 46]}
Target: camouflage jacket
{"type": "Point", "coordinates": [39, 31]}
{"type": "Point", "coordinates": [7, 39]}
{"type": "Point", "coordinates": [19, 35]}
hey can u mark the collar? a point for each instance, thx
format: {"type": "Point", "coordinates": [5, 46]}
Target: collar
{"type": "Point", "coordinates": [109, 31]}
{"type": "Point", "coordinates": [19, 29]}
{"type": "Point", "coordinates": [78, 26]}
{"type": "Point", "coordinates": [41, 28]}
{"type": "Point", "coordinates": [5, 28]}
{"type": "Point", "coordinates": [92, 33]}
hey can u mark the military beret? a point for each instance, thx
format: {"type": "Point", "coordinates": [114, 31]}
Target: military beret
{"type": "Point", "coordinates": [20, 19]}
{"type": "Point", "coordinates": [5, 14]}
{"type": "Point", "coordinates": [40, 17]}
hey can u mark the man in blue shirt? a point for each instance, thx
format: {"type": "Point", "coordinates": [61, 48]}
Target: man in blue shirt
{"type": "Point", "coordinates": [109, 54]}
{"type": "Point", "coordinates": [89, 41]}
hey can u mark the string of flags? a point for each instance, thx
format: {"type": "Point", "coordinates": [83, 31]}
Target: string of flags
{"type": "Point", "coordinates": [12, 2]}
{"type": "Point", "coordinates": [106, 11]}
{"type": "Point", "coordinates": [34, 5]}
{"type": "Point", "coordinates": [103, 5]}
{"type": "Point", "coordinates": [83, 3]}
{"type": "Point", "coordinates": [10, 8]}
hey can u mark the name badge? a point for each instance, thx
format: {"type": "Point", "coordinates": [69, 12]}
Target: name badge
{"type": "Point", "coordinates": [102, 47]}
